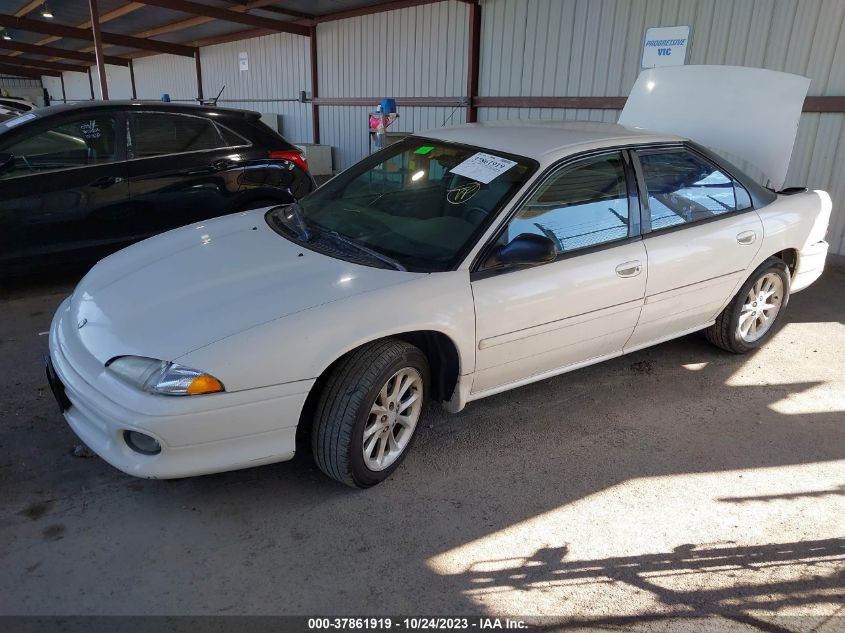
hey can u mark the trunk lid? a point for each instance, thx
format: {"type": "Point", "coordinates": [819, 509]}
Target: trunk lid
{"type": "Point", "coordinates": [749, 113]}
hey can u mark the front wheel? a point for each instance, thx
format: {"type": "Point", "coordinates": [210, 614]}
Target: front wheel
{"type": "Point", "coordinates": [368, 412]}
{"type": "Point", "coordinates": [750, 318]}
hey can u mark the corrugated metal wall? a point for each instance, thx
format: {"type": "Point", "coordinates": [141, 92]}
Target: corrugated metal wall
{"type": "Point", "coordinates": [593, 48]}
{"type": "Point", "coordinates": [171, 74]}
{"type": "Point", "coordinates": [279, 68]}
{"type": "Point", "coordinates": [529, 48]}
{"type": "Point", "coordinates": [17, 82]}
{"type": "Point", "coordinates": [415, 52]}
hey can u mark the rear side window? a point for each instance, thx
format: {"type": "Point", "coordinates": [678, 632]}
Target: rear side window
{"type": "Point", "coordinates": [80, 143]}
{"type": "Point", "coordinates": [684, 187]}
{"type": "Point", "coordinates": [230, 138]}
{"type": "Point", "coordinates": [154, 134]}
{"type": "Point", "coordinates": [580, 205]}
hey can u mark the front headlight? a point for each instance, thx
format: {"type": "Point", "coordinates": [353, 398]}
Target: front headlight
{"type": "Point", "coordinates": [163, 377]}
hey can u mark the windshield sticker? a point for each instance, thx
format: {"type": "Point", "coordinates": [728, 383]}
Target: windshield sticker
{"type": "Point", "coordinates": [483, 167]}
{"type": "Point", "coordinates": [459, 195]}
{"type": "Point", "coordinates": [425, 149]}
{"type": "Point", "coordinates": [90, 130]}
{"type": "Point", "coordinates": [19, 119]}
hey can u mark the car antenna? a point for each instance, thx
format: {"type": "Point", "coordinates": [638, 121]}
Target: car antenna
{"type": "Point", "coordinates": [213, 101]}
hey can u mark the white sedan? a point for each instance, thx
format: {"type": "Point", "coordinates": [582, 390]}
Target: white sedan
{"type": "Point", "coordinates": [456, 264]}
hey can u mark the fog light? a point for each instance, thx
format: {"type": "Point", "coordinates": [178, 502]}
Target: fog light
{"type": "Point", "coordinates": [141, 443]}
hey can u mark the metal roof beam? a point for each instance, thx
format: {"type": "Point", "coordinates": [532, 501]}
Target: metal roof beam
{"type": "Point", "coordinates": [30, 73]}
{"type": "Point", "coordinates": [37, 26]}
{"type": "Point", "coordinates": [229, 15]}
{"type": "Point", "coordinates": [41, 65]}
{"type": "Point", "coordinates": [54, 52]}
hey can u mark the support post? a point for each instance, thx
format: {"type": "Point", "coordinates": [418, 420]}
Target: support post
{"type": "Point", "coordinates": [132, 79]}
{"type": "Point", "coordinates": [98, 49]}
{"type": "Point", "coordinates": [474, 61]}
{"type": "Point", "coordinates": [91, 83]}
{"type": "Point", "coordinates": [198, 64]}
{"type": "Point", "coordinates": [315, 91]}
{"type": "Point", "coordinates": [64, 95]}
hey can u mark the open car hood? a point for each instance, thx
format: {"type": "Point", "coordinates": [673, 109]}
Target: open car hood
{"type": "Point", "coordinates": [750, 113]}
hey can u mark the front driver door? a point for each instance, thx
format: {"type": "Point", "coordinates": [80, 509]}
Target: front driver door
{"type": "Point", "coordinates": [536, 321]}
{"type": "Point", "coordinates": [67, 189]}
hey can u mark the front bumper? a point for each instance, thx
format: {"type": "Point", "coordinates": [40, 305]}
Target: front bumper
{"type": "Point", "coordinates": [198, 434]}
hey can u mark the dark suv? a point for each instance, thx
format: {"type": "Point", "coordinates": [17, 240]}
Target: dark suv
{"type": "Point", "coordinates": [79, 181]}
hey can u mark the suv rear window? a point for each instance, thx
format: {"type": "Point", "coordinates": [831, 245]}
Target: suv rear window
{"type": "Point", "coordinates": [154, 134]}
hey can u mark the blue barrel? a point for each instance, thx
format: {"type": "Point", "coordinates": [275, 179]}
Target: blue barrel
{"type": "Point", "coordinates": [165, 97]}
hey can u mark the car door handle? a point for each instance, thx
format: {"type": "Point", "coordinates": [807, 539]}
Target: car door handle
{"type": "Point", "coordinates": [746, 237]}
{"type": "Point", "coordinates": [106, 181]}
{"type": "Point", "coordinates": [629, 269]}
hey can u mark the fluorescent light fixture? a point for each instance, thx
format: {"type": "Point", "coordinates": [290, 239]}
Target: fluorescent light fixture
{"type": "Point", "coordinates": [6, 35]}
{"type": "Point", "coordinates": [45, 11]}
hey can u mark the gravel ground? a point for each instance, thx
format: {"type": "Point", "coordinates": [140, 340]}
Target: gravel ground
{"type": "Point", "coordinates": [676, 482]}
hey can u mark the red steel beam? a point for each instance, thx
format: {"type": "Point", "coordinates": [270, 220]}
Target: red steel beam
{"type": "Point", "coordinates": [52, 51]}
{"type": "Point", "coordinates": [31, 73]}
{"type": "Point", "coordinates": [315, 88]}
{"type": "Point", "coordinates": [474, 60]}
{"type": "Point", "coordinates": [198, 65]}
{"type": "Point", "coordinates": [37, 26]}
{"type": "Point", "coordinates": [229, 16]}
{"type": "Point", "coordinates": [43, 64]}
{"type": "Point", "coordinates": [94, 12]}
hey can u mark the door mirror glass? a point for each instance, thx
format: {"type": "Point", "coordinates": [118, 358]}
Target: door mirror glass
{"type": "Point", "coordinates": [527, 249]}
{"type": "Point", "coordinates": [7, 162]}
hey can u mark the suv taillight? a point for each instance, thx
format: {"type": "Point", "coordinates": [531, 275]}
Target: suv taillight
{"type": "Point", "coordinates": [293, 155]}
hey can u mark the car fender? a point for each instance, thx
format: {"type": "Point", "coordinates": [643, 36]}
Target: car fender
{"type": "Point", "coordinates": [303, 345]}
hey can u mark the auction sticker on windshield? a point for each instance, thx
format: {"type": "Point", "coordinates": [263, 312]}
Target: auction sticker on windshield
{"type": "Point", "coordinates": [483, 167]}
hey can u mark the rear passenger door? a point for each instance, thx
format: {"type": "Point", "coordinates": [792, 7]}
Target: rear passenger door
{"type": "Point", "coordinates": [180, 170]}
{"type": "Point", "coordinates": [701, 234]}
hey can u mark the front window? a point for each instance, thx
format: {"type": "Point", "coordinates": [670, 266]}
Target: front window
{"type": "Point", "coordinates": [420, 203]}
{"type": "Point", "coordinates": [580, 205]}
{"type": "Point", "coordinates": [86, 142]}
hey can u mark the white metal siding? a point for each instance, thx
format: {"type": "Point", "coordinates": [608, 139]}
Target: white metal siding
{"type": "Point", "coordinates": [279, 68]}
{"type": "Point", "coordinates": [415, 52]}
{"type": "Point", "coordinates": [165, 74]}
{"type": "Point", "coordinates": [594, 47]}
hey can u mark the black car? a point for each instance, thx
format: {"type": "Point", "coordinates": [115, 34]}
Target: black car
{"type": "Point", "coordinates": [80, 181]}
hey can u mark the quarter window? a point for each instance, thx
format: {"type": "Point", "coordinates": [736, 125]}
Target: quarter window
{"type": "Point", "coordinates": [578, 206]}
{"type": "Point", "coordinates": [88, 141]}
{"type": "Point", "coordinates": [683, 187]}
{"type": "Point", "coordinates": [155, 134]}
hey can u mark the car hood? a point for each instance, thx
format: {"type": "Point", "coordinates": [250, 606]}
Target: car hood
{"type": "Point", "coordinates": [751, 113]}
{"type": "Point", "coordinates": [177, 292]}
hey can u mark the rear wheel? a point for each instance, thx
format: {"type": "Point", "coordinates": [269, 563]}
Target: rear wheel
{"type": "Point", "coordinates": [367, 413]}
{"type": "Point", "coordinates": [751, 317]}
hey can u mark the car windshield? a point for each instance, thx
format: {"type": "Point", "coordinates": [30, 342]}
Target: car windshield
{"type": "Point", "coordinates": [419, 204]}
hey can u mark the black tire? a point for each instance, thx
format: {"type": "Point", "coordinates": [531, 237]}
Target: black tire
{"type": "Point", "coordinates": [343, 409]}
{"type": "Point", "coordinates": [724, 332]}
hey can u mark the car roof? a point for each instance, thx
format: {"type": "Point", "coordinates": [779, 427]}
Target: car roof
{"type": "Point", "coordinates": [545, 140]}
{"type": "Point", "coordinates": [159, 106]}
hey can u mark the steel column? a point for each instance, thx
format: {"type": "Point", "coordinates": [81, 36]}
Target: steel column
{"type": "Point", "coordinates": [198, 64]}
{"type": "Point", "coordinates": [132, 79]}
{"type": "Point", "coordinates": [315, 90]}
{"type": "Point", "coordinates": [98, 48]}
{"type": "Point", "coordinates": [474, 61]}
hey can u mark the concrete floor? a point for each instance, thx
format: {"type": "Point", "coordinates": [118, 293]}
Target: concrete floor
{"type": "Point", "coordinates": [676, 482]}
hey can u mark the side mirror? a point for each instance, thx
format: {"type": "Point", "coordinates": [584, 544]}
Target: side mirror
{"type": "Point", "coordinates": [7, 162]}
{"type": "Point", "coordinates": [525, 249]}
